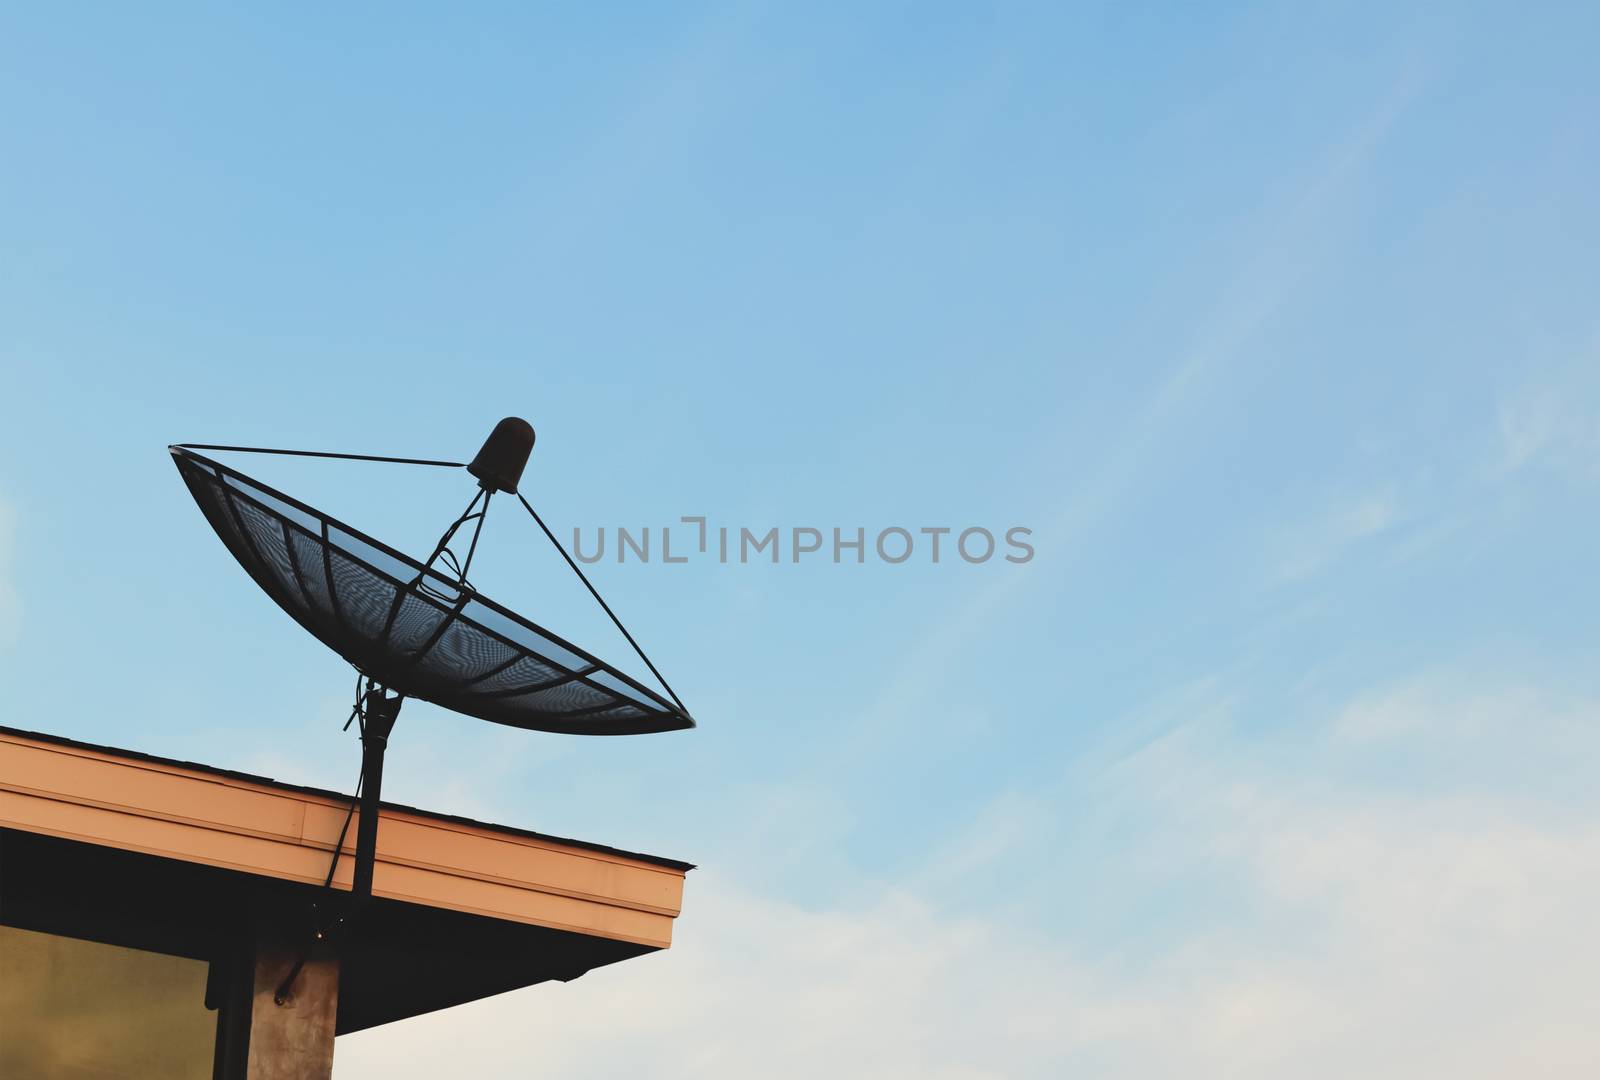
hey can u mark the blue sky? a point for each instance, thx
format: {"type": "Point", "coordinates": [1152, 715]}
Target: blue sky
{"type": "Point", "coordinates": [1275, 324]}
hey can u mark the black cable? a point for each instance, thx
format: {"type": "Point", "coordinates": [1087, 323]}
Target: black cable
{"type": "Point", "coordinates": [483, 515]}
{"type": "Point", "coordinates": [601, 601]}
{"type": "Point", "coordinates": [449, 534]}
{"type": "Point", "coordinates": [344, 830]}
{"type": "Point", "coordinates": [322, 454]}
{"type": "Point", "coordinates": [355, 710]}
{"type": "Point", "coordinates": [443, 554]}
{"type": "Point", "coordinates": [281, 994]}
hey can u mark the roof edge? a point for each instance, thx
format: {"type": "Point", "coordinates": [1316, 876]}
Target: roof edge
{"type": "Point", "coordinates": [304, 789]}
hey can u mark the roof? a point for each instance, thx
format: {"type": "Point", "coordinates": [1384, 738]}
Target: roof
{"type": "Point", "coordinates": [267, 781]}
{"type": "Point", "coordinates": [461, 909]}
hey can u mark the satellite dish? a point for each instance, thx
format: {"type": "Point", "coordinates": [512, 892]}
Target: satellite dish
{"type": "Point", "coordinates": [414, 629]}
{"type": "Point", "coordinates": [420, 629]}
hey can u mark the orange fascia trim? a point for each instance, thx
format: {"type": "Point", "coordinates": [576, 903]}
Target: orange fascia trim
{"type": "Point", "coordinates": [195, 816]}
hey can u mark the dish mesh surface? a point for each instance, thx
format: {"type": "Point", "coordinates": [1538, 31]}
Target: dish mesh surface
{"type": "Point", "coordinates": [412, 629]}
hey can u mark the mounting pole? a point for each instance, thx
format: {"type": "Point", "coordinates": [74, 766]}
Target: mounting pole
{"type": "Point", "coordinates": [381, 712]}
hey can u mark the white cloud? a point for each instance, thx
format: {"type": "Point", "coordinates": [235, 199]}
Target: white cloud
{"type": "Point", "coordinates": [1374, 933]}
{"type": "Point", "coordinates": [1434, 707]}
{"type": "Point", "coordinates": [10, 597]}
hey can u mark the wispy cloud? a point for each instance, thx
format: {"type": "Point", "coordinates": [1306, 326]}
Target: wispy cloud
{"type": "Point", "coordinates": [1314, 544]}
{"type": "Point", "coordinates": [1297, 233]}
{"type": "Point", "coordinates": [1556, 422]}
{"type": "Point", "coordinates": [1378, 932]}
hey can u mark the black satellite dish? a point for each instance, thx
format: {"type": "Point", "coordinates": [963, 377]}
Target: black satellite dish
{"type": "Point", "coordinates": [420, 629]}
